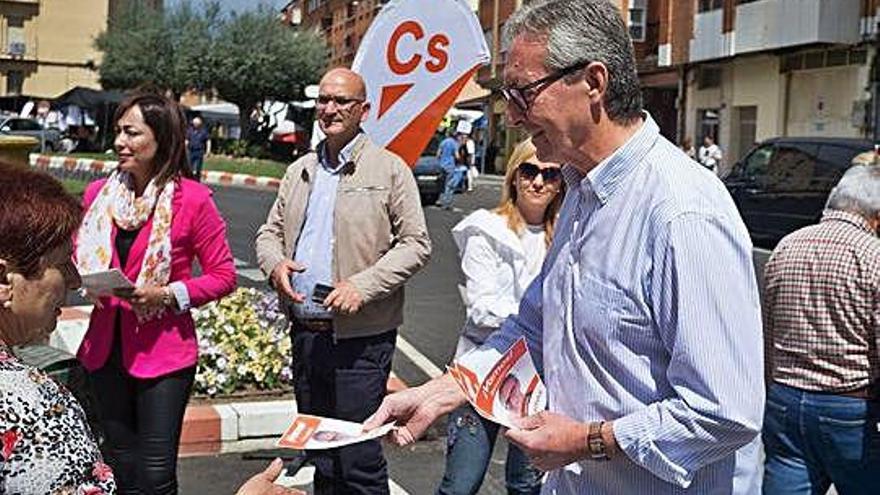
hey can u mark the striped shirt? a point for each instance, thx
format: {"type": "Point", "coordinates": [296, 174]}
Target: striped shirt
{"type": "Point", "coordinates": [646, 313]}
{"type": "Point", "coordinates": [822, 306]}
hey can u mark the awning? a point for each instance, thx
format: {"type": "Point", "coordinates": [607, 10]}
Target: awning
{"type": "Point", "coordinates": [89, 98]}
{"type": "Point", "coordinates": [472, 95]}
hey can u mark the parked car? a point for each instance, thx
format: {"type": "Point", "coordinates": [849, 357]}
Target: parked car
{"type": "Point", "coordinates": [20, 126]}
{"type": "Point", "coordinates": [429, 175]}
{"type": "Point", "coordinates": [782, 184]}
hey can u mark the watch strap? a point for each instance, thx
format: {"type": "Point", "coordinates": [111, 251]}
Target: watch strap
{"type": "Point", "coordinates": [595, 443]}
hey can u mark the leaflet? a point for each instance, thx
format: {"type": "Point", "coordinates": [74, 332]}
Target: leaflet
{"type": "Point", "coordinates": [501, 387]}
{"type": "Point", "coordinates": [105, 282]}
{"type": "Point", "coordinates": [316, 433]}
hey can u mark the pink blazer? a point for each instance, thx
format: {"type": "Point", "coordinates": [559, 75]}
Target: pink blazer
{"type": "Point", "coordinates": [167, 344]}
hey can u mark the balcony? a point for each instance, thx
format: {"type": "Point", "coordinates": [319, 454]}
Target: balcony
{"type": "Point", "coordinates": [773, 24]}
{"type": "Point", "coordinates": [708, 42]}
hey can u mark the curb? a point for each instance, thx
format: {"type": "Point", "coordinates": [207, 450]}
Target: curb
{"type": "Point", "coordinates": [210, 428]}
{"type": "Point", "coordinates": [104, 167]}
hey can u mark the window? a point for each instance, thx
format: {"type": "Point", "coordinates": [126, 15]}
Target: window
{"type": "Point", "coordinates": [15, 36]}
{"type": "Point", "coordinates": [756, 163]}
{"type": "Point", "coordinates": [707, 5]}
{"type": "Point", "coordinates": [636, 22]}
{"type": "Point", "coordinates": [14, 82]}
{"type": "Point", "coordinates": [708, 77]}
{"type": "Point", "coordinates": [792, 167]}
{"type": "Point", "coordinates": [23, 125]}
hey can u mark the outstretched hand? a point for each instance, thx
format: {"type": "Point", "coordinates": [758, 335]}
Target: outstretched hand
{"type": "Point", "coordinates": [415, 409]}
{"type": "Point", "coordinates": [264, 483]}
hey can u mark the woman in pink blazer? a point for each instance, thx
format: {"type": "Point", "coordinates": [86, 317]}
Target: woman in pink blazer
{"type": "Point", "coordinates": [150, 220]}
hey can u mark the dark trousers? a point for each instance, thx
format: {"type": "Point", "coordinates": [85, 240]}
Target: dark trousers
{"type": "Point", "coordinates": [141, 421]}
{"type": "Point", "coordinates": [196, 161]}
{"type": "Point", "coordinates": [346, 380]}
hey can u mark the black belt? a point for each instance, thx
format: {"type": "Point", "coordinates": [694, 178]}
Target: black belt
{"type": "Point", "coordinates": [314, 325]}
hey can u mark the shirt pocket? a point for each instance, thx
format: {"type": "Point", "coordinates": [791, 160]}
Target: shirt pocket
{"type": "Point", "coordinates": [603, 311]}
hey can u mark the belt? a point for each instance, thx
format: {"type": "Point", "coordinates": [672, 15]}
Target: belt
{"type": "Point", "coordinates": [314, 325]}
{"type": "Point", "coordinates": [867, 392]}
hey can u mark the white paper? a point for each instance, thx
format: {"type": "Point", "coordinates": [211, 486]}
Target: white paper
{"type": "Point", "coordinates": [103, 283]}
{"type": "Point", "coordinates": [308, 432]}
{"type": "Point", "coordinates": [501, 387]}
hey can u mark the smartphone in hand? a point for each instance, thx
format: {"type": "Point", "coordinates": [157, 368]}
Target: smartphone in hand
{"type": "Point", "coordinates": [321, 292]}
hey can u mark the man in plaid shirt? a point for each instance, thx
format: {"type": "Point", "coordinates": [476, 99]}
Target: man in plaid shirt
{"type": "Point", "coordinates": [822, 329]}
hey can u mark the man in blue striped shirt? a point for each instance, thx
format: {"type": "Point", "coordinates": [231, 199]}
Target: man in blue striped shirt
{"type": "Point", "coordinates": [645, 321]}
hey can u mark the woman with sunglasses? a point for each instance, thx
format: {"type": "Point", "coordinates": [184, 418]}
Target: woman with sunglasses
{"type": "Point", "coordinates": [501, 252]}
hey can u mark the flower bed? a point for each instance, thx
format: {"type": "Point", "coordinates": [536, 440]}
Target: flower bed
{"type": "Point", "coordinates": [243, 345]}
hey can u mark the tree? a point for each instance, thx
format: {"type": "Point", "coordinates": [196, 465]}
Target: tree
{"type": "Point", "coordinates": [172, 50]}
{"type": "Point", "coordinates": [258, 58]}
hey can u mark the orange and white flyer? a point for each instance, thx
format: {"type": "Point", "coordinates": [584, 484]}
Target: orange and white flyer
{"type": "Point", "coordinates": [316, 433]}
{"type": "Point", "coordinates": [501, 387]}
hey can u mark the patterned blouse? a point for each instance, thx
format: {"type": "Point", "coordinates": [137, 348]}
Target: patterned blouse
{"type": "Point", "coordinates": [47, 447]}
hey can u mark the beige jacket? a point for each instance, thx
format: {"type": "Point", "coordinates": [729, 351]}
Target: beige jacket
{"type": "Point", "coordinates": [379, 230]}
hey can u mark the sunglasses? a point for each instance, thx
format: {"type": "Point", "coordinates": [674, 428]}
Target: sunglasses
{"type": "Point", "coordinates": [341, 101]}
{"type": "Point", "coordinates": [529, 171]}
{"type": "Point", "coordinates": [519, 95]}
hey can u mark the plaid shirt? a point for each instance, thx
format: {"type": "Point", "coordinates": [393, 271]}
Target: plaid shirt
{"type": "Point", "coordinates": [822, 306]}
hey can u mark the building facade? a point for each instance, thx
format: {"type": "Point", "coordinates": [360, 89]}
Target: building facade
{"type": "Point", "coordinates": [342, 23]}
{"type": "Point", "coordinates": [47, 46]}
{"type": "Point", "coordinates": [755, 69]}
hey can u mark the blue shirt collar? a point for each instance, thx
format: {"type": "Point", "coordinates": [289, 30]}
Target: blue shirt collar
{"type": "Point", "coordinates": [346, 154]}
{"type": "Point", "coordinates": [605, 178]}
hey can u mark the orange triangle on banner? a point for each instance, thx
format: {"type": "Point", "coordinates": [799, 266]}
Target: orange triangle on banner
{"type": "Point", "coordinates": [390, 95]}
{"type": "Point", "coordinates": [411, 141]}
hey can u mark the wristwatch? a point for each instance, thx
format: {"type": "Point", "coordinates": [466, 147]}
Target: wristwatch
{"type": "Point", "coordinates": [595, 443]}
{"type": "Point", "coordinates": [168, 299]}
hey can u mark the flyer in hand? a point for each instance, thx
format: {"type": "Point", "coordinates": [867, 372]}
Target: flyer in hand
{"type": "Point", "coordinates": [315, 433]}
{"type": "Point", "coordinates": [105, 282]}
{"type": "Point", "coordinates": [501, 387]}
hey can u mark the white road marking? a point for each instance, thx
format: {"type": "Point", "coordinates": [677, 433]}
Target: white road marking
{"type": "Point", "coordinates": [418, 358]}
{"type": "Point", "coordinates": [252, 274]}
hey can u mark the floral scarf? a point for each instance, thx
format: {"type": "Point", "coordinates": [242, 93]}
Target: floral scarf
{"type": "Point", "coordinates": [116, 202]}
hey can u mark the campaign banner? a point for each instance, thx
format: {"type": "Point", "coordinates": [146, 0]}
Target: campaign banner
{"type": "Point", "coordinates": [500, 387]}
{"type": "Point", "coordinates": [415, 61]}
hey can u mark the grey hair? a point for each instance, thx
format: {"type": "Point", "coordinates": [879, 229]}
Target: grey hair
{"type": "Point", "coordinates": [857, 192]}
{"type": "Point", "coordinates": [585, 30]}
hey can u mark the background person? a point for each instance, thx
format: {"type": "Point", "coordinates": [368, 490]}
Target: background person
{"type": "Point", "coordinates": [150, 220]}
{"type": "Point", "coordinates": [198, 144]}
{"type": "Point", "coordinates": [347, 217]}
{"type": "Point", "coordinates": [709, 154]}
{"type": "Point", "coordinates": [501, 252]}
{"type": "Point", "coordinates": [646, 343]}
{"type": "Point", "coordinates": [822, 330]}
{"type": "Point", "coordinates": [447, 152]}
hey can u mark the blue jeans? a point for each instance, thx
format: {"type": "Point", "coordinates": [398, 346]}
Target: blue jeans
{"type": "Point", "coordinates": [448, 187]}
{"type": "Point", "coordinates": [813, 440]}
{"type": "Point", "coordinates": [469, 450]}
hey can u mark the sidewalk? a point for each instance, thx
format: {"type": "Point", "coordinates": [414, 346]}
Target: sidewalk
{"type": "Point", "coordinates": [207, 429]}
{"type": "Point", "coordinates": [94, 168]}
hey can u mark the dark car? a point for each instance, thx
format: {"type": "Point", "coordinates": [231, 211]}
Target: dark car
{"type": "Point", "coordinates": [782, 184]}
{"type": "Point", "coordinates": [21, 126]}
{"type": "Point", "coordinates": [429, 175]}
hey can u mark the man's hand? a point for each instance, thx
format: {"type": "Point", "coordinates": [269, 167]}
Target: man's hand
{"type": "Point", "coordinates": [552, 440]}
{"type": "Point", "coordinates": [263, 483]}
{"type": "Point", "coordinates": [281, 280]}
{"type": "Point", "coordinates": [414, 409]}
{"type": "Point", "coordinates": [345, 298]}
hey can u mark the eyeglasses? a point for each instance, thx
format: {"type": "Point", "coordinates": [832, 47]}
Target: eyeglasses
{"type": "Point", "coordinates": [341, 101]}
{"type": "Point", "coordinates": [529, 171]}
{"type": "Point", "coordinates": [519, 94]}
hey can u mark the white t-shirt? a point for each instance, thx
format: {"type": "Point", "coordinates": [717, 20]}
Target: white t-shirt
{"type": "Point", "coordinates": [535, 247]}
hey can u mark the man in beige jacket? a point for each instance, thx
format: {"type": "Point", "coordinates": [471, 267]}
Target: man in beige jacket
{"type": "Point", "coordinates": [345, 233]}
